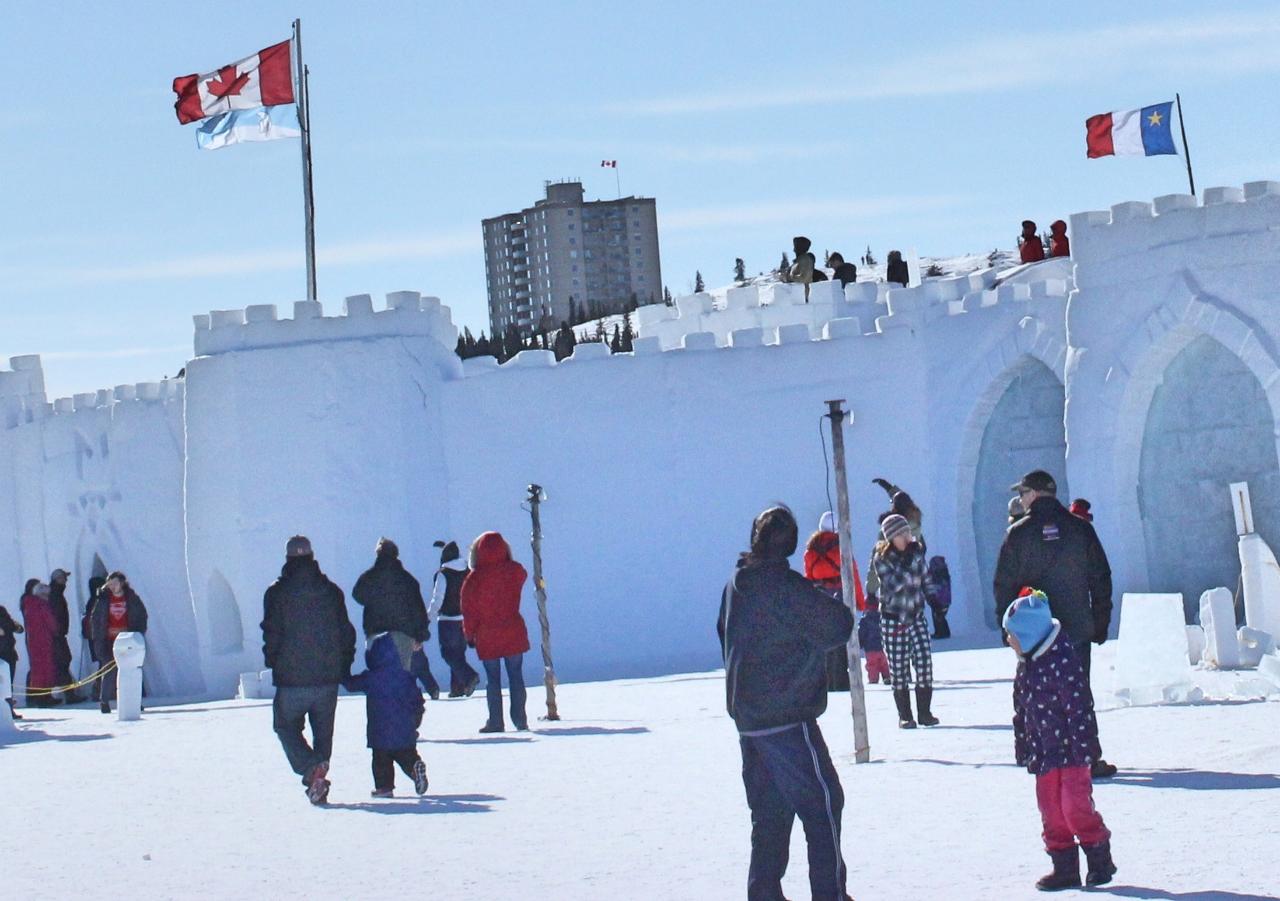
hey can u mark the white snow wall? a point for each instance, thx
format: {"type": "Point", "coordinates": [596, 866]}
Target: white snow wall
{"type": "Point", "coordinates": [351, 427]}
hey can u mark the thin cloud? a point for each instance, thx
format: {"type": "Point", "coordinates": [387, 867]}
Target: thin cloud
{"type": "Point", "coordinates": [1221, 44]}
{"type": "Point", "coordinates": [799, 211]}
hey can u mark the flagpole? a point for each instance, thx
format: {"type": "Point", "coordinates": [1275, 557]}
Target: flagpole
{"type": "Point", "coordinates": [1186, 151]}
{"type": "Point", "coordinates": [617, 178]}
{"type": "Point", "coordinates": [304, 120]}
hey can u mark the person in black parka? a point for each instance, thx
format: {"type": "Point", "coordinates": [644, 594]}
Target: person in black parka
{"type": "Point", "coordinates": [775, 631]}
{"type": "Point", "coordinates": [1059, 554]}
{"type": "Point", "coordinates": [393, 604]}
{"type": "Point", "coordinates": [309, 644]}
{"type": "Point", "coordinates": [10, 629]}
{"type": "Point", "coordinates": [61, 646]}
{"type": "Point", "coordinates": [117, 609]}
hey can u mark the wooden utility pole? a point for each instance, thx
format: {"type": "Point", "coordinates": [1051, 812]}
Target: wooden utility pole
{"type": "Point", "coordinates": [536, 497]}
{"type": "Point", "coordinates": [861, 741]}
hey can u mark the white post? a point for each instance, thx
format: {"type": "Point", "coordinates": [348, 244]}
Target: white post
{"type": "Point", "coordinates": [1259, 573]}
{"type": "Point", "coordinates": [6, 692]}
{"type": "Point", "coordinates": [130, 651]}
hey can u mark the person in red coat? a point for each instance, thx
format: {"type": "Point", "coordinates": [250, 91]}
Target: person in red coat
{"type": "Point", "coordinates": [822, 568]}
{"type": "Point", "coordinates": [1032, 247]}
{"type": "Point", "coordinates": [42, 631]}
{"type": "Point", "coordinates": [492, 624]}
{"type": "Point", "coordinates": [1059, 244]}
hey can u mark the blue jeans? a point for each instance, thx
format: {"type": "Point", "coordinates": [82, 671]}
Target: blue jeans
{"type": "Point", "coordinates": [789, 774]}
{"type": "Point", "coordinates": [420, 669]}
{"type": "Point", "coordinates": [493, 689]}
{"type": "Point", "coordinates": [453, 648]}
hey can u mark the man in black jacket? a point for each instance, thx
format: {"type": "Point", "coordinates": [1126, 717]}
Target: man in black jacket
{"type": "Point", "coordinates": [309, 645]}
{"type": "Point", "coordinates": [61, 647]}
{"type": "Point", "coordinates": [393, 604]}
{"type": "Point", "coordinates": [775, 631]}
{"type": "Point", "coordinates": [1059, 554]}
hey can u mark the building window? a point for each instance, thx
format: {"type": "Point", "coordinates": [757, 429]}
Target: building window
{"type": "Point", "coordinates": [572, 226]}
{"type": "Point", "coordinates": [573, 254]}
{"type": "Point", "coordinates": [568, 212]}
{"type": "Point", "coordinates": [573, 240]}
{"type": "Point", "coordinates": [635, 209]}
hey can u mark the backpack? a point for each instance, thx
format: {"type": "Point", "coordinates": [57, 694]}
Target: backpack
{"type": "Point", "coordinates": [939, 583]}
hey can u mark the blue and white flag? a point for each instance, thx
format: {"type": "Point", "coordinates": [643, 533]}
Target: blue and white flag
{"type": "Point", "coordinates": [264, 123]}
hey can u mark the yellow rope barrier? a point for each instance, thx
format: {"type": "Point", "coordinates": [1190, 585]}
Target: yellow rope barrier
{"type": "Point", "coordinates": [44, 692]}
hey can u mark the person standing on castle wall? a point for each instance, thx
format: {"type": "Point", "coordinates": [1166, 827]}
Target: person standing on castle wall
{"type": "Point", "coordinates": [844, 273]}
{"type": "Point", "coordinates": [309, 644]}
{"type": "Point", "coordinates": [1032, 248]}
{"type": "Point", "coordinates": [1059, 244]}
{"type": "Point", "coordinates": [1059, 554]}
{"type": "Point", "coordinates": [822, 568]}
{"type": "Point", "coordinates": [118, 609]}
{"type": "Point", "coordinates": [10, 629]}
{"type": "Point", "coordinates": [446, 613]}
{"type": "Point", "coordinates": [802, 269]}
{"type": "Point", "coordinates": [902, 577]}
{"type": "Point", "coordinates": [776, 630]}
{"type": "Point", "coordinates": [896, 271]}
{"type": "Point", "coordinates": [393, 605]}
{"type": "Point", "coordinates": [61, 647]}
{"type": "Point", "coordinates": [42, 634]}
{"type": "Point", "coordinates": [492, 624]}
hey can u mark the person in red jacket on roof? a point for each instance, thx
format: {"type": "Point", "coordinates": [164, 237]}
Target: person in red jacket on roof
{"type": "Point", "coordinates": [822, 568]}
{"type": "Point", "coordinates": [492, 624]}
{"type": "Point", "coordinates": [1059, 244]}
{"type": "Point", "coordinates": [1032, 249]}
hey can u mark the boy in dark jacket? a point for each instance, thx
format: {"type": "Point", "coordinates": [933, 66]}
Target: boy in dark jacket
{"type": "Point", "coordinates": [775, 631]}
{"type": "Point", "coordinates": [871, 640]}
{"type": "Point", "coordinates": [394, 710]}
{"type": "Point", "coordinates": [1056, 738]}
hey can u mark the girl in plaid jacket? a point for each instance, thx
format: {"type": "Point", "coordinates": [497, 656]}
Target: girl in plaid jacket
{"type": "Point", "coordinates": [900, 569]}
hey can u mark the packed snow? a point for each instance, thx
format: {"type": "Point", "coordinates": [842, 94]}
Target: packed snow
{"type": "Point", "coordinates": [634, 794]}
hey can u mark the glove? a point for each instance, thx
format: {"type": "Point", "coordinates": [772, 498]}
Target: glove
{"type": "Point", "coordinates": [889, 489]}
{"type": "Point", "coordinates": [1100, 632]}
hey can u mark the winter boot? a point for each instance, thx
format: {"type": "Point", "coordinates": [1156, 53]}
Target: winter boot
{"type": "Point", "coordinates": [318, 784]}
{"type": "Point", "coordinates": [492, 727]}
{"type": "Point", "coordinates": [382, 793]}
{"type": "Point", "coordinates": [924, 696]}
{"type": "Point", "coordinates": [902, 697]}
{"type": "Point", "coordinates": [1102, 770]}
{"type": "Point", "coordinates": [1101, 867]}
{"type": "Point", "coordinates": [1066, 871]}
{"type": "Point", "coordinates": [940, 627]}
{"type": "Point", "coordinates": [420, 777]}
{"type": "Point", "coordinates": [13, 710]}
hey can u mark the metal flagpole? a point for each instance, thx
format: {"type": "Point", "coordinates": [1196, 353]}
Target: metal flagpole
{"type": "Point", "coordinates": [540, 587]}
{"type": "Point", "coordinates": [617, 179]}
{"type": "Point", "coordinates": [857, 697]}
{"type": "Point", "coordinates": [1186, 151]}
{"type": "Point", "coordinates": [302, 84]}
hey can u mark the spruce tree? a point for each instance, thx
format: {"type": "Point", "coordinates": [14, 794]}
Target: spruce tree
{"type": "Point", "coordinates": [615, 345]}
{"type": "Point", "coordinates": [666, 296]}
{"type": "Point", "coordinates": [698, 285]}
{"type": "Point", "coordinates": [461, 348]}
{"type": "Point", "coordinates": [482, 346]}
{"type": "Point", "coordinates": [628, 335]}
{"type": "Point", "coordinates": [739, 270]}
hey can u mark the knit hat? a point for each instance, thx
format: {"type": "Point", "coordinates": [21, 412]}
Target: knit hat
{"type": "Point", "coordinates": [1081, 507]}
{"type": "Point", "coordinates": [1028, 618]}
{"type": "Point", "coordinates": [827, 523]}
{"type": "Point", "coordinates": [449, 551]}
{"type": "Point", "coordinates": [298, 546]}
{"type": "Point", "coordinates": [893, 526]}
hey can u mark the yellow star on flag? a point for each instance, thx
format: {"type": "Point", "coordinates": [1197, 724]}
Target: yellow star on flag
{"type": "Point", "coordinates": [1155, 118]}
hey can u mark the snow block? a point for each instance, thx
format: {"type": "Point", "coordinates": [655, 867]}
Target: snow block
{"type": "Point", "coordinates": [1269, 668]}
{"type": "Point", "coordinates": [862, 292]}
{"type": "Point", "coordinates": [746, 337]}
{"type": "Point", "coordinates": [358, 305]}
{"type": "Point", "coordinates": [1167, 203]}
{"type": "Point", "coordinates": [1195, 644]}
{"type": "Point", "coordinates": [827, 292]}
{"type": "Point", "coordinates": [263, 312]}
{"type": "Point", "coordinates": [793, 334]}
{"type": "Point", "coordinates": [148, 390]}
{"type": "Point", "coordinates": [404, 300]}
{"type": "Point", "coordinates": [307, 309]}
{"type": "Point", "coordinates": [1216, 196]}
{"type": "Point", "coordinates": [596, 350]}
{"type": "Point", "coordinates": [201, 321]}
{"type": "Point", "coordinates": [647, 345]}
{"type": "Point", "coordinates": [225, 318]}
{"type": "Point", "coordinates": [745, 298]}
{"type": "Point", "coordinates": [699, 341]}
{"type": "Point", "coordinates": [1254, 645]}
{"type": "Point", "coordinates": [64, 405]}
{"type": "Point", "coordinates": [786, 294]}
{"type": "Point", "coordinates": [1218, 620]}
{"type": "Point", "coordinates": [1260, 580]}
{"type": "Point", "coordinates": [86, 400]}
{"type": "Point", "coordinates": [693, 305]}
{"type": "Point", "coordinates": [1129, 210]}
{"type": "Point", "coordinates": [1153, 664]}
{"type": "Point", "coordinates": [477, 365]}
{"type": "Point", "coordinates": [125, 392]}
{"type": "Point", "coordinates": [532, 359]}
{"type": "Point", "coordinates": [430, 302]}
{"type": "Point", "coordinates": [842, 328]}
{"type": "Point", "coordinates": [1256, 190]}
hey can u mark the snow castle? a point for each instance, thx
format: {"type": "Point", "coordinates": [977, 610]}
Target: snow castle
{"type": "Point", "coordinates": [1144, 373]}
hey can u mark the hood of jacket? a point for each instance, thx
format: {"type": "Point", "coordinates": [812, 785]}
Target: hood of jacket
{"type": "Point", "coordinates": [492, 548]}
{"type": "Point", "coordinates": [382, 654]}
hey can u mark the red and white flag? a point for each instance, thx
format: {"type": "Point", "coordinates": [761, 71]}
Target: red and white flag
{"type": "Point", "coordinates": [608, 164]}
{"type": "Point", "coordinates": [264, 79]}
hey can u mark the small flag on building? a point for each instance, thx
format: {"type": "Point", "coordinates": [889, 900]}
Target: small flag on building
{"type": "Point", "coordinates": [249, 100]}
{"type": "Point", "coordinates": [608, 164]}
{"type": "Point", "coordinates": [1136, 132]}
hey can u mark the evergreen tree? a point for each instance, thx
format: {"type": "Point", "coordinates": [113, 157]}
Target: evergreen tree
{"type": "Point", "coordinates": [470, 339]}
{"type": "Point", "coordinates": [602, 334]}
{"type": "Point", "coordinates": [573, 311]}
{"type": "Point", "coordinates": [615, 344]}
{"type": "Point", "coordinates": [482, 346]}
{"type": "Point", "coordinates": [461, 348]}
{"type": "Point", "coordinates": [784, 267]}
{"type": "Point", "coordinates": [698, 285]}
{"type": "Point", "coordinates": [666, 296]}
{"type": "Point", "coordinates": [565, 342]}
{"type": "Point", "coordinates": [628, 335]}
{"type": "Point", "coordinates": [739, 270]}
{"type": "Point", "coordinates": [633, 304]}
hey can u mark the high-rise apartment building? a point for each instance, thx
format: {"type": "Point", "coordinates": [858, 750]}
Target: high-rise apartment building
{"type": "Point", "coordinates": [567, 253]}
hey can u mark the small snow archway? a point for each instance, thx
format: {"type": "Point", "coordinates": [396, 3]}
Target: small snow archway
{"type": "Point", "coordinates": [1026, 431]}
{"type": "Point", "coordinates": [1209, 424]}
{"type": "Point", "coordinates": [226, 632]}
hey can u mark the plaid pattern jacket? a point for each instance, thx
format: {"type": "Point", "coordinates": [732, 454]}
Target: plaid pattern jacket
{"type": "Point", "coordinates": [903, 578]}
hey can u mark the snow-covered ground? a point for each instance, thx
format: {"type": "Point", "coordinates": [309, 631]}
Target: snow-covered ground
{"type": "Point", "coordinates": [634, 795]}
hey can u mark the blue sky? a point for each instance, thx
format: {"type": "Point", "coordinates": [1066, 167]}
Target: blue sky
{"type": "Point", "coordinates": [895, 124]}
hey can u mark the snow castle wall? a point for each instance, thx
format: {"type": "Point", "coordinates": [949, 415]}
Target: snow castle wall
{"type": "Point", "coordinates": [353, 426]}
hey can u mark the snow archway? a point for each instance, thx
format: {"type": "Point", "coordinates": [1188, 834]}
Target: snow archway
{"type": "Point", "coordinates": [226, 630]}
{"type": "Point", "coordinates": [1025, 431]}
{"type": "Point", "coordinates": [1209, 424]}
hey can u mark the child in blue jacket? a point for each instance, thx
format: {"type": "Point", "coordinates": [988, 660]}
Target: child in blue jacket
{"type": "Point", "coordinates": [394, 707]}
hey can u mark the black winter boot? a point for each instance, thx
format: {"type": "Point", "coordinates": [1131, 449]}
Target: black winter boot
{"type": "Point", "coordinates": [1066, 871]}
{"type": "Point", "coordinates": [902, 697]}
{"type": "Point", "coordinates": [924, 697]}
{"type": "Point", "coordinates": [1101, 867]}
{"type": "Point", "coordinates": [940, 627]}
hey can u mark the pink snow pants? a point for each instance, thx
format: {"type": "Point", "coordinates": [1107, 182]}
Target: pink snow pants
{"type": "Point", "coordinates": [1065, 797]}
{"type": "Point", "coordinates": [877, 666]}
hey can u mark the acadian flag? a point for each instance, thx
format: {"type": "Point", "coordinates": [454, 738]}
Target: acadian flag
{"type": "Point", "coordinates": [1135, 132]}
{"type": "Point", "coordinates": [249, 100]}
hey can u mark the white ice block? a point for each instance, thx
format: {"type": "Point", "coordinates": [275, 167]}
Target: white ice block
{"type": "Point", "coordinates": [6, 718]}
{"type": "Point", "coordinates": [1260, 576]}
{"type": "Point", "coordinates": [1254, 645]}
{"type": "Point", "coordinates": [130, 651]}
{"type": "Point", "coordinates": [249, 686]}
{"type": "Point", "coordinates": [1195, 644]}
{"type": "Point", "coordinates": [1218, 619]}
{"type": "Point", "coordinates": [1153, 665]}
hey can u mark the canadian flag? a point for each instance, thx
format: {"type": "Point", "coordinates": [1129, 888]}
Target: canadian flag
{"type": "Point", "coordinates": [609, 164]}
{"type": "Point", "coordinates": [264, 79]}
